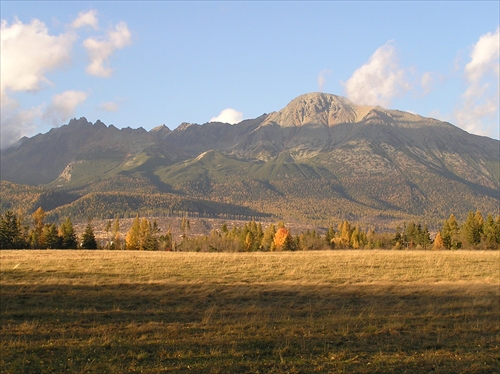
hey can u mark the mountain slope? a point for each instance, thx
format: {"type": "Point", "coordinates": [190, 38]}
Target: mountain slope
{"type": "Point", "coordinates": [319, 158]}
{"type": "Point", "coordinates": [83, 150]}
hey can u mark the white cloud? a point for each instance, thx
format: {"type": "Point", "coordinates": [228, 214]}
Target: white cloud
{"type": "Point", "coordinates": [323, 74]}
{"type": "Point", "coordinates": [86, 19]}
{"type": "Point", "coordinates": [100, 50]}
{"type": "Point", "coordinates": [479, 110]}
{"type": "Point", "coordinates": [109, 106]}
{"type": "Point", "coordinates": [63, 106]}
{"type": "Point", "coordinates": [428, 80]}
{"type": "Point", "coordinates": [16, 122]}
{"type": "Point", "coordinates": [29, 52]}
{"type": "Point", "coordinates": [484, 57]}
{"type": "Point", "coordinates": [228, 115]}
{"type": "Point", "coordinates": [379, 80]}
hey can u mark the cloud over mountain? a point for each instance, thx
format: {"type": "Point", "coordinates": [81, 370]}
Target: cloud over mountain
{"type": "Point", "coordinates": [322, 76]}
{"type": "Point", "coordinates": [228, 115]}
{"type": "Point", "coordinates": [63, 106]}
{"type": "Point", "coordinates": [109, 106]}
{"type": "Point", "coordinates": [379, 80]}
{"type": "Point", "coordinates": [30, 53]}
{"type": "Point", "coordinates": [480, 102]}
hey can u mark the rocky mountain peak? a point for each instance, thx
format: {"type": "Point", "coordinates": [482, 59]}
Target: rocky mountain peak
{"type": "Point", "coordinates": [160, 128]}
{"type": "Point", "coordinates": [315, 108]}
{"type": "Point", "coordinates": [82, 121]}
{"type": "Point", "coordinates": [161, 131]}
{"type": "Point", "coordinates": [183, 126]}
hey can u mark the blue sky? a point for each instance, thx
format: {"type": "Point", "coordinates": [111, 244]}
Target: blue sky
{"type": "Point", "coordinates": [143, 64]}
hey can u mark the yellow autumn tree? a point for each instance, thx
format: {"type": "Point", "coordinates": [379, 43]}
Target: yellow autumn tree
{"type": "Point", "coordinates": [438, 242]}
{"type": "Point", "coordinates": [132, 238]}
{"type": "Point", "coordinates": [248, 241]}
{"type": "Point", "coordinates": [37, 238]}
{"type": "Point", "coordinates": [345, 233]}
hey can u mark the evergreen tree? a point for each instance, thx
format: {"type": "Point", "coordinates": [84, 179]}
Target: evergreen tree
{"type": "Point", "coordinates": [450, 233]}
{"type": "Point", "coordinates": [148, 239]}
{"type": "Point", "coordinates": [260, 232]}
{"type": "Point", "coordinates": [490, 232]}
{"type": "Point", "coordinates": [268, 237]}
{"type": "Point", "coordinates": [88, 237]}
{"type": "Point", "coordinates": [11, 233]}
{"type": "Point", "coordinates": [410, 235]}
{"type": "Point", "coordinates": [446, 234]}
{"type": "Point", "coordinates": [398, 237]}
{"type": "Point", "coordinates": [425, 240]}
{"type": "Point", "coordinates": [288, 244]}
{"type": "Point", "coordinates": [67, 234]}
{"type": "Point", "coordinates": [329, 236]}
{"type": "Point", "coordinates": [51, 237]}
{"type": "Point", "coordinates": [473, 228]}
{"type": "Point", "coordinates": [253, 226]}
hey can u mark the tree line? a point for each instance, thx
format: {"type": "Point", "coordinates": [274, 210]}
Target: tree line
{"type": "Point", "coordinates": [475, 231]}
{"type": "Point", "coordinates": [144, 234]}
{"type": "Point", "coordinates": [15, 234]}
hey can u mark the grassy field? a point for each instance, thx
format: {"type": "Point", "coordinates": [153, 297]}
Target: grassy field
{"type": "Point", "coordinates": [302, 312]}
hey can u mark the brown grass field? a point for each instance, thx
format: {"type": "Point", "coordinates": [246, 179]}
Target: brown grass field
{"type": "Point", "coordinates": [300, 312]}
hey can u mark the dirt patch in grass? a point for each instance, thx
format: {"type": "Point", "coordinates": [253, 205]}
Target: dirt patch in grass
{"type": "Point", "coordinates": [352, 311]}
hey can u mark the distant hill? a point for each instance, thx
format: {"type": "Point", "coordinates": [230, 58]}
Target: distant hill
{"type": "Point", "coordinates": [319, 159]}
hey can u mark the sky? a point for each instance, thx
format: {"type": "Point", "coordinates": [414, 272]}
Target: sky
{"type": "Point", "coordinates": [144, 64]}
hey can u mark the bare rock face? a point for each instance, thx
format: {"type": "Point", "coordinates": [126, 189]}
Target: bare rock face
{"type": "Point", "coordinates": [315, 108]}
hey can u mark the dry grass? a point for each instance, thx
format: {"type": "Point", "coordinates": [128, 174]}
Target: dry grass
{"type": "Point", "coordinates": [336, 311]}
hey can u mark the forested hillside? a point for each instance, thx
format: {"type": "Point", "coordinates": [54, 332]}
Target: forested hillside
{"type": "Point", "coordinates": [318, 160]}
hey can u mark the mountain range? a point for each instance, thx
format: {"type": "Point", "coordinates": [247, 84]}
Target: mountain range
{"type": "Point", "coordinates": [320, 159]}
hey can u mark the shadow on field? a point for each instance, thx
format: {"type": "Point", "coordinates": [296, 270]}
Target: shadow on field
{"type": "Point", "coordinates": [209, 327]}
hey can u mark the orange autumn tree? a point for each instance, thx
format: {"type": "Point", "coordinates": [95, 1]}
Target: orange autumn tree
{"type": "Point", "coordinates": [280, 238]}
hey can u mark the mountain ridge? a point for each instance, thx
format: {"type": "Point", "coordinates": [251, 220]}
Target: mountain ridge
{"type": "Point", "coordinates": [369, 159]}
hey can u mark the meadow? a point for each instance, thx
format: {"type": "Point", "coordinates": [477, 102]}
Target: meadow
{"type": "Point", "coordinates": [290, 312]}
